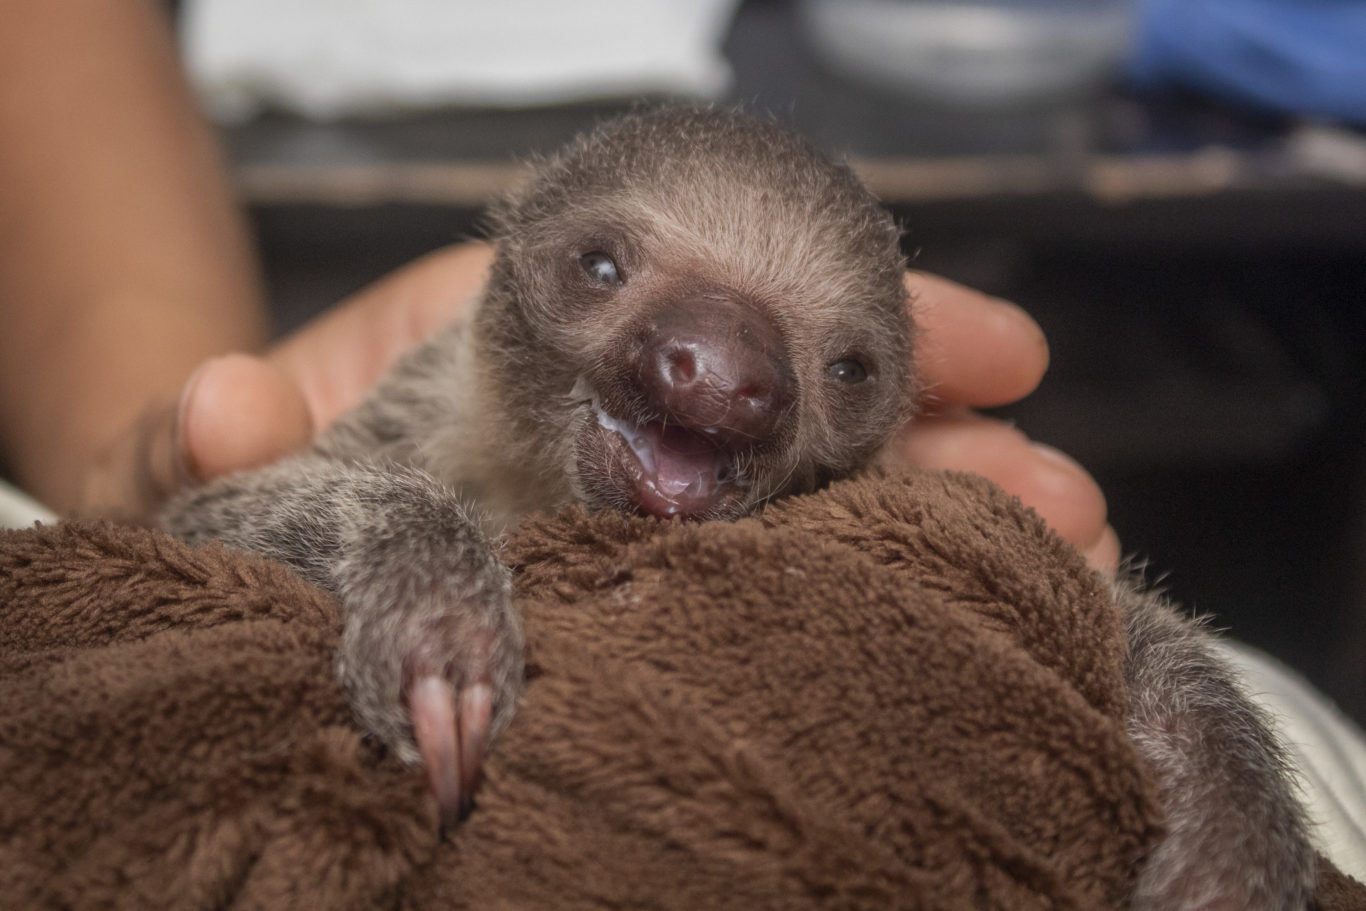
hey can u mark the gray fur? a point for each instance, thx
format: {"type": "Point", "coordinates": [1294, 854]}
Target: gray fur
{"type": "Point", "coordinates": [1237, 836]}
{"type": "Point", "coordinates": [500, 418]}
{"type": "Point", "coordinates": [421, 583]}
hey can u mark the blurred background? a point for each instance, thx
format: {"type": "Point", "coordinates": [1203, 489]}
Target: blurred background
{"type": "Point", "coordinates": [1175, 190]}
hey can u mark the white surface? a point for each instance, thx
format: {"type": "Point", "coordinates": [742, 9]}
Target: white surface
{"type": "Point", "coordinates": [328, 58]}
{"type": "Point", "coordinates": [1329, 750]}
{"type": "Point", "coordinates": [20, 511]}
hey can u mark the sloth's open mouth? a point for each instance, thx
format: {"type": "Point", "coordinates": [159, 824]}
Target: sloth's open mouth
{"type": "Point", "coordinates": [668, 469]}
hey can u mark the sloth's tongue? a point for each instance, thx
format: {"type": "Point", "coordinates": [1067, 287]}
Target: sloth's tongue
{"type": "Point", "coordinates": [682, 459]}
{"type": "Point", "coordinates": [682, 472]}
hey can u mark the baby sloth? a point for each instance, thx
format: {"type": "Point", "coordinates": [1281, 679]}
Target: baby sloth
{"type": "Point", "coordinates": [691, 312]}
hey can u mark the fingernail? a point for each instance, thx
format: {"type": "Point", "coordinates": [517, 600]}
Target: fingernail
{"type": "Point", "coordinates": [1028, 326]}
{"type": "Point", "coordinates": [1071, 476]}
{"type": "Point", "coordinates": [1105, 554]}
{"type": "Point", "coordinates": [1058, 458]}
{"type": "Point", "coordinates": [188, 470]}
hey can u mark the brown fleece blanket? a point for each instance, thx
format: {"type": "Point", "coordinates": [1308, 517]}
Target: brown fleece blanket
{"type": "Point", "coordinates": [901, 692]}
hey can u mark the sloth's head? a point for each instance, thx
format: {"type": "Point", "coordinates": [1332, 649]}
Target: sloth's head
{"type": "Point", "coordinates": [698, 311]}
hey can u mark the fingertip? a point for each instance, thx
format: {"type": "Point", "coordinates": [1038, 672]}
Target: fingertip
{"type": "Point", "coordinates": [1066, 495]}
{"type": "Point", "coordinates": [972, 349]}
{"type": "Point", "coordinates": [237, 412]}
{"type": "Point", "coordinates": [1104, 554]}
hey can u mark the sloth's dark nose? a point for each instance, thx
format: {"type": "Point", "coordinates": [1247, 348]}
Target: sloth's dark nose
{"type": "Point", "coordinates": [717, 367]}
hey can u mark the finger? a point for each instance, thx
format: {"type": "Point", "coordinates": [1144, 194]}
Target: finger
{"type": "Point", "coordinates": [238, 412]}
{"type": "Point", "coordinates": [431, 705]}
{"type": "Point", "coordinates": [1055, 486]}
{"type": "Point", "coordinates": [336, 358]}
{"type": "Point", "coordinates": [971, 349]}
{"type": "Point", "coordinates": [1105, 553]}
{"type": "Point", "coordinates": [139, 469]}
{"type": "Point", "coordinates": [234, 412]}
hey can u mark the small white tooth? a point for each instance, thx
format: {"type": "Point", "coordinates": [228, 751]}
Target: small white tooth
{"type": "Point", "coordinates": [635, 438]}
{"type": "Point", "coordinates": [645, 454]}
{"type": "Point", "coordinates": [606, 420]}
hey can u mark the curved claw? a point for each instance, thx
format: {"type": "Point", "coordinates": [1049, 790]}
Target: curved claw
{"type": "Point", "coordinates": [451, 737]}
{"type": "Point", "coordinates": [432, 707]}
{"type": "Point", "coordinates": [476, 714]}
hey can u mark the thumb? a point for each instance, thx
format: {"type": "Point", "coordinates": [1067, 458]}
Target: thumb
{"type": "Point", "coordinates": [234, 412]}
{"type": "Point", "coordinates": [237, 412]}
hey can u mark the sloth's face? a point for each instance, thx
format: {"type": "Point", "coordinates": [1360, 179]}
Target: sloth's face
{"type": "Point", "coordinates": [703, 313]}
{"type": "Point", "coordinates": [694, 396]}
{"type": "Point", "coordinates": [689, 410]}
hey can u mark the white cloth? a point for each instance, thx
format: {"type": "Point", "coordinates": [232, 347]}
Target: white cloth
{"type": "Point", "coordinates": [18, 510]}
{"type": "Point", "coordinates": [1328, 749]}
{"type": "Point", "coordinates": [329, 58]}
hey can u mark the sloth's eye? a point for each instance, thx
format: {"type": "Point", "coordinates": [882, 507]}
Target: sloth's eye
{"type": "Point", "coordinates": [600, 267]}
{"type": "Point", "coordinates": [848, 370]}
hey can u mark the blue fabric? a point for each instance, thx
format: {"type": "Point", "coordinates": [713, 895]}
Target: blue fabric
{"type": "Point", "coordinates": [1294, 56]}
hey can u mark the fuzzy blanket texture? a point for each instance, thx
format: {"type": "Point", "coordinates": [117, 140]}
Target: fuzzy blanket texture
{"type": "Point", "coordinates": [901, 692]}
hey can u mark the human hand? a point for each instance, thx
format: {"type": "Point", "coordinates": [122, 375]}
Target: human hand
{"type": "Point", "coordinates": [975, 351]}
{"type": "Point", "coordinates": [240, 411]}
